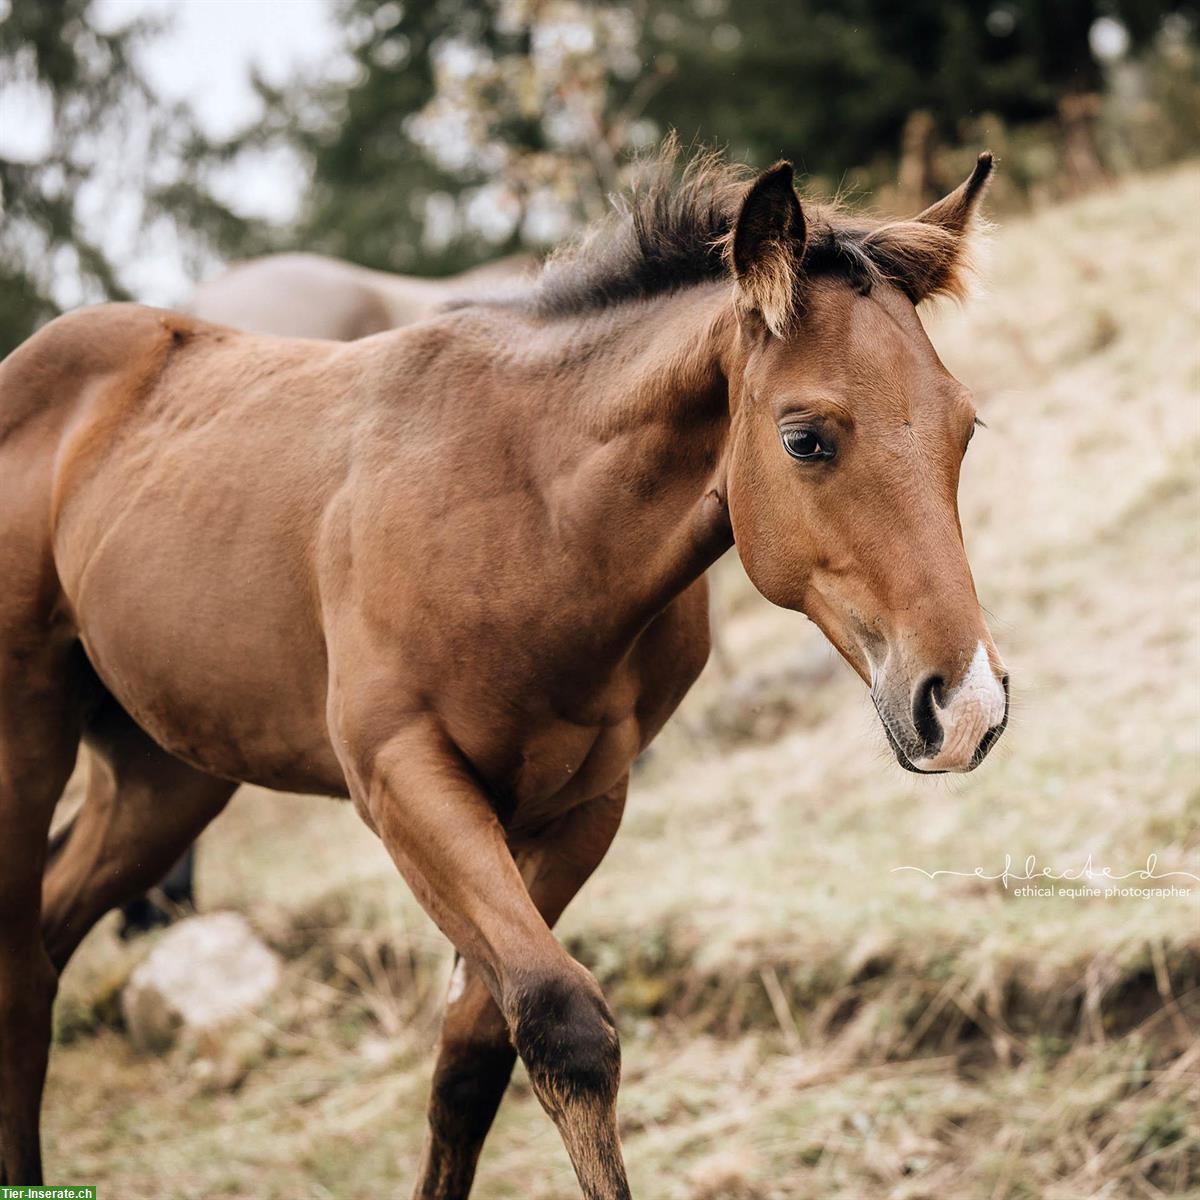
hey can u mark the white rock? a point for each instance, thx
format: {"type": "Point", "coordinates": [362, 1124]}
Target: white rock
{"type": "Point", "coordinates": [201, 972]}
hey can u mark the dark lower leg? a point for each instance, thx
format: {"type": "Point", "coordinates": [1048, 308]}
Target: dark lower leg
{"type": "Point", "coordinates": [475, 1051]}
{"type": "Point", "coordinates": [566, 1037]}
{"type": "Point", "coordinates": [475, 1060]}
{"type": "Point", "coordinates": [27, 987]}
{"type": "Point", "coordinates": [161, 905]}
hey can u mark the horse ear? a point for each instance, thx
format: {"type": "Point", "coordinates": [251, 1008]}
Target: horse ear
{"type": "Point", "coordinates": [955, 213]}
{"type": "Point", "coordinates": [767, 245]}
{"type": "Point", "coordinates": [930, 255]}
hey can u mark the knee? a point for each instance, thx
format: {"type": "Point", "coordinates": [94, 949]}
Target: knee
{"type": "Point", "coordinates": [565, 1034]}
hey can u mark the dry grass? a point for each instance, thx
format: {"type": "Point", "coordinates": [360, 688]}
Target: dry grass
{"type": "Point", "coordinates": [801, 1019]}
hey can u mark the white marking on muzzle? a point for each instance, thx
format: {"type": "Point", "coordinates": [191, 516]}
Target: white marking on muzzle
{"type": "Point", "coordinates": [971, 709]}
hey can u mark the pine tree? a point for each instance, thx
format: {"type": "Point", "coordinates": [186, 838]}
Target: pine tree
{"type": "Point", "coordinates": [111, 147]}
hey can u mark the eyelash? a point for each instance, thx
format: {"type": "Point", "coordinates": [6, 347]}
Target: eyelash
{"type": "Point", "coordinates": [825, 448]}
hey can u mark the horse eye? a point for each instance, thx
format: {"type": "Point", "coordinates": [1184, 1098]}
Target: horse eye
{"type": "Point", "coordinates": [804, 444]}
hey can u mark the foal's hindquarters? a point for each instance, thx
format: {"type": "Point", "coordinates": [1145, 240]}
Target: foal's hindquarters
{"type": "Point", "coordinates": [65, 399]}
{"type": "Point", "coordinates": [43, 693]}
{"type": "Point", "coordinates": [50, 700]}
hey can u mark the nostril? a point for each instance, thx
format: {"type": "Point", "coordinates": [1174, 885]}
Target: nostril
{"type": "Point", "coordinates": [992, 736]}
{"type": "Point", "coordinates": [924, 712]}
{"type": "Point", "coordinates": [988, 740]}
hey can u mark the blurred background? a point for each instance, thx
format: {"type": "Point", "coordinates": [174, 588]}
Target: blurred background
{"type": "Point", "coordinates": [142, 142]}
{"type": "Point", "coordinates": [804, 1017]}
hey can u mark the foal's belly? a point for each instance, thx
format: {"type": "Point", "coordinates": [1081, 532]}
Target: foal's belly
{"type": "Point", "coordinates": [229, 697]}
{"type": "Point", "coordinates": [207, 643]}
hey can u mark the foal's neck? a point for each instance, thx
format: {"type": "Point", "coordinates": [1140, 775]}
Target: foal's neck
{"type": "Point", "coordinates": [648, 382]}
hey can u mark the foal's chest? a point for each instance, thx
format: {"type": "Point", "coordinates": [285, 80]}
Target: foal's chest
{"type": "Point", "coordinates": [587, 746]}
{"type": "Point", "coordinates": [567, 764]}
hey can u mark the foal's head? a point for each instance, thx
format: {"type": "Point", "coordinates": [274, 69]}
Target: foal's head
{"type": "Point", "coordinates": [847, 439]}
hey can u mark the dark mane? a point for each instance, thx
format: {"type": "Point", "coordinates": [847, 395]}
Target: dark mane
{"type": "Point", "coordinates": [672, 230]}
{"type": "Point", "coordinates": [667, 232]}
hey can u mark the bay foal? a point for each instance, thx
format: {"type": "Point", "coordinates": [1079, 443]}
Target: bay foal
{"type": "Point", "coordinates": [455, 572]}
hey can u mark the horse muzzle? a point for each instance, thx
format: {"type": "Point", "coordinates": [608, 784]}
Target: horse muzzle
{"type": "Point", "coordinates": [939, 729]}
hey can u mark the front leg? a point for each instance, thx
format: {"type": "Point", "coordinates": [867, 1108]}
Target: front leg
{"type": "Point", "coordinates": [475, 1051]}
{"type": "Point", "coordinates": [437, 824]}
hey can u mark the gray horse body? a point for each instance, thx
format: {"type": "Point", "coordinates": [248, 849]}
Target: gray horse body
{"type": "Point", "coordinates": [312, 296]}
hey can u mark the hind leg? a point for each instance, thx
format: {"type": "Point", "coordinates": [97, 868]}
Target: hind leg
{"type": "Point", "coordinates": [159, 906]}
{"type": "Point", "coordinates": [40, 700]}
{"type": "Point", "coordinates": [143, 809]}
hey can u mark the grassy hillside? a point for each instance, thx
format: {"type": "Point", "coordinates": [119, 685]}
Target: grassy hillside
{"type": "Point", "coordinates": [802, 1017]}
